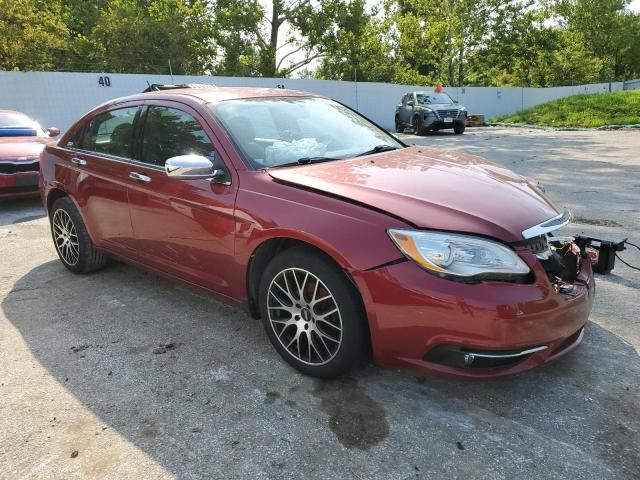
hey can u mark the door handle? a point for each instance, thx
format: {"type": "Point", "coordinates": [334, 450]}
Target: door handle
{"type": "Point", "coordinates": [78, 161]}
{"type": "Point", "coordinates": [139, 176]}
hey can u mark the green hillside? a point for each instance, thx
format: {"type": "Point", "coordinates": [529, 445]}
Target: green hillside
{"type": "Point", "coordinates": [615, 108]}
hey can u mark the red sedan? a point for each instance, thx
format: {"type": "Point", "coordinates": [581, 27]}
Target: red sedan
{"type": "Point", "coordinates": [344, 241]}
{"type": "Point", "coordinates": [21, 141]}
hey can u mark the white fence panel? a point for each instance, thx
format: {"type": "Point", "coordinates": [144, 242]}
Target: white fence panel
{"type": "Point", "coordinates": [60, 98]}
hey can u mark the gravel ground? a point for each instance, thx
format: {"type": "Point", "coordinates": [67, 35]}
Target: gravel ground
{"type": "Point", "coordinates": [87, 391]}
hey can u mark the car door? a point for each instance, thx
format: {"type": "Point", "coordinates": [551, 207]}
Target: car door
{"type": "Point", "coordinates": [183, 227]}
{"type": "Point", "coordinates": [98, 175]}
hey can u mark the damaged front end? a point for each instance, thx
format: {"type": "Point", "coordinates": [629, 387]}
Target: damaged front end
{"type": "Point", "coordinates": [560, 256]}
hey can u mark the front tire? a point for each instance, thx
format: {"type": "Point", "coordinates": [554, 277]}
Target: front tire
{"type": "Point", "coordinates": [399, 126]}
{"type": "Point", "coordinates": [70, 237]}
{"type": "Point", "coordinates": [416, 123]}
{"type": "Point", "coordinates": [459, 130]}
{"type": "Point", "coordinates": [312, 314]}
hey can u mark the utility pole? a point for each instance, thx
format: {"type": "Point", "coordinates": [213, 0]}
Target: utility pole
{"type": "Point", "coordinates": [355, 79]}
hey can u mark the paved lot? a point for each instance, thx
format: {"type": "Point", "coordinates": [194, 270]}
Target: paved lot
{"type": "Point", "coordinates": [78, 372]}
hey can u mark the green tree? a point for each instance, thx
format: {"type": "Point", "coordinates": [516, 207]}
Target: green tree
{"type": "Point", "coordinates": [353, 45]}
{"type": "Point", "coordinates": [601, 25]}
{"type": "Point", "coordinates": [143, 36]}
{"type": "Point", "coordinates": [31, 38]}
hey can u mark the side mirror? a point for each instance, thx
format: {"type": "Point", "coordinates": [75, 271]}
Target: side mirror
{"type": "Point", "coordinates": [456, 102]}
{"type": "Point", "coordinates": [194, 167]}
{"type": "Point", "coordinates": [53, 132]}
{"type": "Point", "coordinates": [410, 103]}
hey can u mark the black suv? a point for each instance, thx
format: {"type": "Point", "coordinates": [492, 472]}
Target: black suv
{"type": "Point", "coordinates": [425, 111]}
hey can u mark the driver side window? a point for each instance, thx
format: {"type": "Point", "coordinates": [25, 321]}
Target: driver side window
{"type": "Point", "coordinates": [169, 132]}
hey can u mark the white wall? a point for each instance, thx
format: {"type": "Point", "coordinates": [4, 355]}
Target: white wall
{"type": "Point", "coordinates": [59, 98]}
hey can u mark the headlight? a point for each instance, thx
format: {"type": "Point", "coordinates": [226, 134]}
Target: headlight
{"type": "Point", "coordinates": [464, 257]}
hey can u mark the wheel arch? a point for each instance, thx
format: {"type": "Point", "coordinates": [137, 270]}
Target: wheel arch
{"type": "Point", "coordinates": [269, 248]}
{"type": "Point", "coordinates": [53, 195]}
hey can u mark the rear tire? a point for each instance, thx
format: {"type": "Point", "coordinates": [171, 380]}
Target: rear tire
{"type": "Point", "coordinates": [312, 314]}
{"type": "Point", "coordinates": [70, 237]}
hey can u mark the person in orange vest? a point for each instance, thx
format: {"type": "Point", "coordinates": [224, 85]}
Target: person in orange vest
{"type": "Point", "coordinates": [438, 88]}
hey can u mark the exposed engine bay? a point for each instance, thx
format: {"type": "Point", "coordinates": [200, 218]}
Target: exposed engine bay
{"type": "Point", "coordinates": [561, 258]}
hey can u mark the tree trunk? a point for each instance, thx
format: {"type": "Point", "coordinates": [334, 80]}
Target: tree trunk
{"type": "Point", "coordinates": [461, 66]}
{"type": "Point", "coordinates": [276, 21]}
{"type": "Point", "coordinates": [451, 71]}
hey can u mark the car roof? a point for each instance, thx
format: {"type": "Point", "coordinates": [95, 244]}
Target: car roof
{"type": "Point", "coordinates": [217, 94]}
{"type": "Point", "coordinates": [13, 112]}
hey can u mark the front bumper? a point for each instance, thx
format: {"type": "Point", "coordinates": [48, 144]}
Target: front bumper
{"type": "Point", "coordinates": [433, 123]}
{"type": "Point", "coordinates": [22, 184]}
{"type": "Point", "coordinates": [412, 313]}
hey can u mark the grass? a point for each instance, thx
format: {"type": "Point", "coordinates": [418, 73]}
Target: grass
{"type": "Point", "coordinates": [597, 110]}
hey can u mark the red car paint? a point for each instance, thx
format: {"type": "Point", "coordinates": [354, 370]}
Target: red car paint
{"type": "Point", "coordinates": [19, 164]}
{"type": "Point", "coordinates": [429, 187]}
{"type": "Point", "coordinates": [205, 234]}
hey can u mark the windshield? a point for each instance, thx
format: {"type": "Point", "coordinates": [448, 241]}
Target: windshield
{"type": "Point", "coordinates": [18, 125]}
{"type": "Point", "coordinates": [277, 131]}
{"type": "Point", "coordinates": [429, 98]}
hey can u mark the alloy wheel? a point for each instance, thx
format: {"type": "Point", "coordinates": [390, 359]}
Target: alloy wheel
{"type": "Point", "coordinates": [304, 316]}
{"type": "Point", "coordinates": [65, 237]}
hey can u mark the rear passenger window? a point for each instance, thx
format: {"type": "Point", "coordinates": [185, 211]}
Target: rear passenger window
{"type": "Point", "coordinates": [111, 133]}
{"type": "Point", "coordinates": [169, 132]}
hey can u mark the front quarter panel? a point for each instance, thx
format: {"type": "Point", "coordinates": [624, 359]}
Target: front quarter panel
{"type": "Point", "coordinates": [353, 235]}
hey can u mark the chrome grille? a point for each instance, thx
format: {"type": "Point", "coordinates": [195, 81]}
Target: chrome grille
{"type": "Point", "coordinates": [448, 113]}
{"type": "Point", "coordinates": [19, 166]}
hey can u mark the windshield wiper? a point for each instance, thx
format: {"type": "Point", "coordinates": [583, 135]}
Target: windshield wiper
{"type": "Point", "coordinates": [305, 161]}
{"type": "Point", "coordinates": [378, 149]}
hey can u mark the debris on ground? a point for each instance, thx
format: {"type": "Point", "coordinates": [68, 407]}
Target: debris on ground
{"type": "Point", "coordinates": [163, 348]}
{"type": "Point", "coordinates": [79, 348]}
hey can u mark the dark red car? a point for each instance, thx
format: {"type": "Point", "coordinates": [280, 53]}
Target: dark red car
{"type": "Point", "coordinates": [343, 240]}
{"type": "Point", "coordinates": [21, 142]}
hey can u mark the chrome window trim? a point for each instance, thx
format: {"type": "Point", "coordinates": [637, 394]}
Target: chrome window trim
{"type": "Point", "coordinates": [547, 226]}
{"type": "Point", "coordinates": [115, 158]}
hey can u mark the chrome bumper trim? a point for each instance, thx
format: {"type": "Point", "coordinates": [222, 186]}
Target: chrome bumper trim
{"type": "Point", "coordinates": [547, 226]}
{"type": "Point", "coordinates": [508, 355]}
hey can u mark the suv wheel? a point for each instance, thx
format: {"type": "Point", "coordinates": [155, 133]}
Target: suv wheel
{"type": "Point", "coordinates": [70, 237]}
{"type": "Point", "coordinates": [416, 123]}
{"type": "Point", "coordinates": [459, 130]}
{"type": "Point", "coordinates": [399, 126]}
{"type": "Point", "coordinates": [312, 314]}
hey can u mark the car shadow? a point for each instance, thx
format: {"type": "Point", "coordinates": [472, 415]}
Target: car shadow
{"type": "Point", "coordinates": [20, 210]}
{"type": "Point", "coordinates": [196, 386]}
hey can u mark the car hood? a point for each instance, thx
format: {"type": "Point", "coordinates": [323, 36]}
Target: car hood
{"type": "Point", "coordinates": [442, 106]}
{"type": "Point", "coordinates": [19, 147]}
{"type": "Point", "coordinates": [431, 188]}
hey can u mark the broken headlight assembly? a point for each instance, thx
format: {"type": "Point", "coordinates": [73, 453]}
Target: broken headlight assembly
{"type": "Point", "coordinates": [562, 257]}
